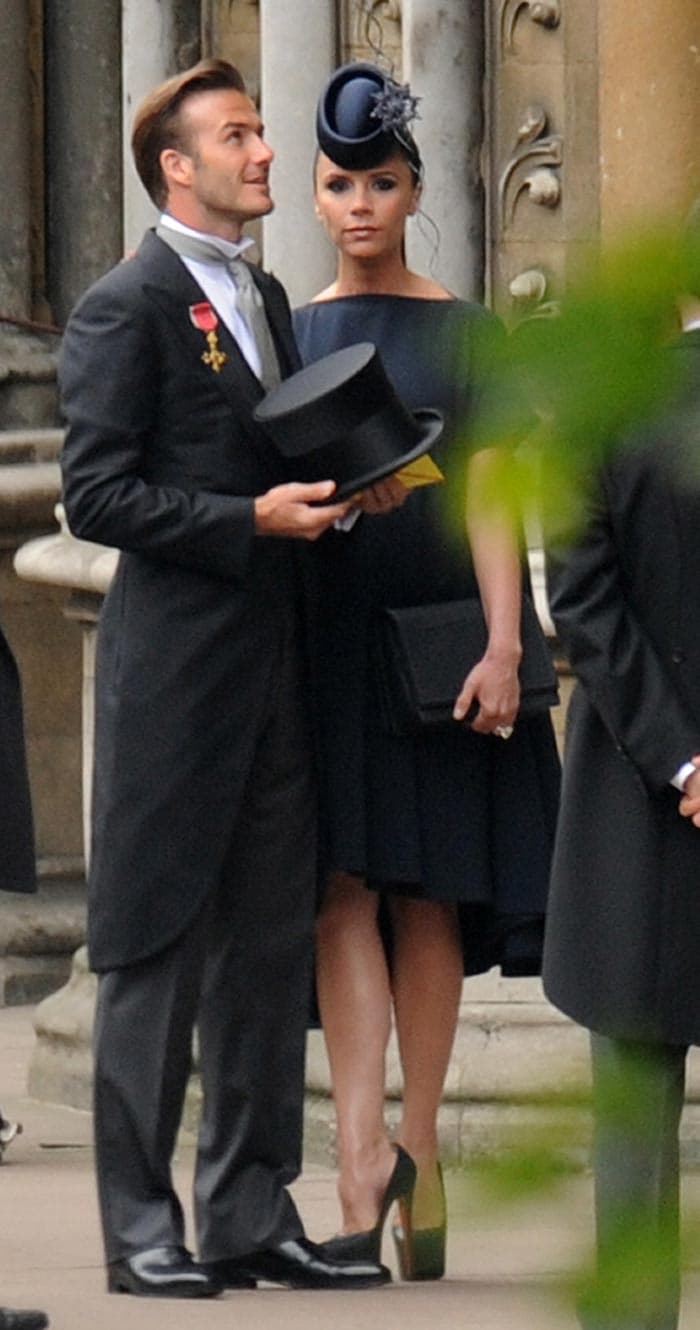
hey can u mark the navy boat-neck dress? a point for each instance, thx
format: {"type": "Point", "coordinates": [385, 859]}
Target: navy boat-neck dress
{"type": "Point", "coordinates": [451, 816]}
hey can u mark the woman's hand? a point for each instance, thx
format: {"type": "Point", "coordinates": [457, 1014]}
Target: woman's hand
{"type": "Point", "coordinates": [384, 496]}
{"type": "Point", "coordinates": [493, 686]}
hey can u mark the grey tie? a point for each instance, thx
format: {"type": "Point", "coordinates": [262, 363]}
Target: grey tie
{"type": "Point", "coordinates": [249, 301]}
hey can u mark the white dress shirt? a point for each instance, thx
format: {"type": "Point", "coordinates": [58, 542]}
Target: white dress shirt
{"type": "Point", "coordinates": [219, 287]}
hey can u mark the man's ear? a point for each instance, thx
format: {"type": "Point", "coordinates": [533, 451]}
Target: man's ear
{"type": "Point", "coordinates": [176, 167]}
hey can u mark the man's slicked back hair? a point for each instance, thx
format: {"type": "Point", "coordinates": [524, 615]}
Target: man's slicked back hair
{"type": "Point", "coordinates": [157, 122]}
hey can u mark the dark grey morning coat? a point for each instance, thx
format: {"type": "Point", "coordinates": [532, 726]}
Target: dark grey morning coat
{"type": "Point", "coordinates": [622, 949]}
{"type": "Point", "coordinates": [162, 459]}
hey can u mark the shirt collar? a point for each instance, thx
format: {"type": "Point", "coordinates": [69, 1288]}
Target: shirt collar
{"type": "Point", "coordinates": [231, 249]}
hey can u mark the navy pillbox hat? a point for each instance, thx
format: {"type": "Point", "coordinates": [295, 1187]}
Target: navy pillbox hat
{"type": "Point", "coordinates": [362, 116]}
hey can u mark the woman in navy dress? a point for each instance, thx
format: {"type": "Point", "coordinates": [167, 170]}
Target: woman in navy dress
{"type": "Point", "coordinates": [436, 847]}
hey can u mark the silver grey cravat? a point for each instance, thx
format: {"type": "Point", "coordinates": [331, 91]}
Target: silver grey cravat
{"type": "Point", "coordinates": [249, 301]}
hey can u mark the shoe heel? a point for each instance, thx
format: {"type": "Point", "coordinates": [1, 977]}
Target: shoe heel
{"type": "Point", "coordinates": [420, 1251]}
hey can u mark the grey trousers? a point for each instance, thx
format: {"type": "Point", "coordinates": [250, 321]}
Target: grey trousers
{"type": "Point", "coordinates": [638, 1092]}
{"type": "Point", "coordinates": [241, 973]}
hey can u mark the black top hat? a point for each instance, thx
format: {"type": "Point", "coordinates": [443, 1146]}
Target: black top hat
{"type": "Point", "coordinates": [362, 115]}
{"type": "Point", "coordinates": [340, 419]}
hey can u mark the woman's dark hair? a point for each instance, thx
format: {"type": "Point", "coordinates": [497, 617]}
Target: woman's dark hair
{"type": "Point", "coordinates": [412, 158]}
{"type": "Point", "coordinates": [157, 123]}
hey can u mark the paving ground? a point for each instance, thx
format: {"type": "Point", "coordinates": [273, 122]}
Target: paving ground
{"type": "Point", "coordinates": [502, 1264]}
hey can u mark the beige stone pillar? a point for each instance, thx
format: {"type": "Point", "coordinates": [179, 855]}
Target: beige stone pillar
{"type": "Point", "coordinates": [296, 59]}
{"type": "Point", "coordinates": [649, 100]}
{"type": "Point", "coordinates": [15, 156]}
{"type": "Point", "coordinates": [159, 37]}
{"type": "Point", "coordinates": [443, 59]}
{"type": "Point", "coordinates": [83, 145]}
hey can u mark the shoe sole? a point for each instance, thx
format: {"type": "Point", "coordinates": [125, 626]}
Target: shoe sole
{"type": "Point", "coordinates": [340, 1285]}
{"type": "Point", "coordinates": [121, 1286]}
{"type": "Point", "coordinates": [164, 1293]}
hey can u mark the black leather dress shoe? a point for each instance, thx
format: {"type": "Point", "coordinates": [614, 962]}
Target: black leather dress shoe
{"type": "Point", "coordinates": [299, 1263]}
{"type": "Point", "coordinates": [11, 1319]}
{"type": "Point", "coordinates": [162, 1272]}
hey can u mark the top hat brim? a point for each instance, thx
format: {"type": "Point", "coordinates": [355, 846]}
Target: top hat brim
{"type": "Point", "coordinates": [340, 418]}
{"type": "Point", "coordinates": [432, 424]}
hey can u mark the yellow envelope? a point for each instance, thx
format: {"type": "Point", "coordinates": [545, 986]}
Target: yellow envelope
{"type": "Point", "coordinates": [424, 471]}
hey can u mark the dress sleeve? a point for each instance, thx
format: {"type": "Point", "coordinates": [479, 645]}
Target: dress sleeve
{"type": "Point", "coordinates": [493, 404]}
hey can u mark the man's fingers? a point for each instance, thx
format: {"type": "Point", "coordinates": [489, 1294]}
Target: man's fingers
{"type": "Point", "coordinates": [315, 492]}
{"type": "Point", "coordinates": [312, 522]}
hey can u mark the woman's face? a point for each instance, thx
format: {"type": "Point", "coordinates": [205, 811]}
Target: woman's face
{"type": "Point", "coordinates": [364, 212]}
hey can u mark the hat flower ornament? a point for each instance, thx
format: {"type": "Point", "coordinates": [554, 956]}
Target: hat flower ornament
{"type": "Point", "coordinates": [395, 107]}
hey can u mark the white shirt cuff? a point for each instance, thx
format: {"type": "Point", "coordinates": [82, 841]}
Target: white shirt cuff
{"type": "Point", "coordinates": [346, 523]}
{"type": "Point", "coordinates": [682, 775]}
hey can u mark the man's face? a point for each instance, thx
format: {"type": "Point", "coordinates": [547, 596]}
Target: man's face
{"type": "Point", "coordinates": [225, 161]}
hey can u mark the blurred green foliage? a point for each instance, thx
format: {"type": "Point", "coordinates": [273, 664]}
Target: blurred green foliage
{"type": "Point", "coordinates": [632, 1277]}
{"type": "Point", "coordinates": [587, 377]}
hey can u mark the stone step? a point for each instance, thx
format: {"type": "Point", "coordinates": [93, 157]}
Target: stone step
{"type": "Point", "coordinates": [38, 937]}
{"type": "Point", "coordinates": [28, 391]}
{"type": "Point", "coordinates": [502, 1093]}
{"type": "Point", "coordinates": [23, 446]}
{"type": "Point", "coordinates": [30, 479]}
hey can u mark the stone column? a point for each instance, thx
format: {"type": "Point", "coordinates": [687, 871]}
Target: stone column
{"type": "Point", "coordinates": [649, 63]}
{"type": "Point", "coordinates": [15, 158]}
{"type": "Point", "coordinates": [443, 59]}
{"type": "Point", "coordinates": [83, 145]}
{"type": "Point", "coordinates": [159, 37]}
{"type": "Point", "coordinates": [297, 58]}
{"type": "Point", "coordinates": [86, 569]}
{"type": "Point", "coordinates": [61, 1067]}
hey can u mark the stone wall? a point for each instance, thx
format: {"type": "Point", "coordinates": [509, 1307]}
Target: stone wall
{"type": "Point", "coordinates": [649, 109]}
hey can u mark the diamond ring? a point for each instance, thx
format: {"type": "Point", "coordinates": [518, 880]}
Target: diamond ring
{"type": "Point", "coordinates": [503, 731]}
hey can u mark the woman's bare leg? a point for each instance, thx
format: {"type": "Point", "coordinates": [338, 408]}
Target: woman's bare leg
{"type": "Point", "coordinates": [427, 985]}
{"type": "Point", "coordinates": [355, 1001]}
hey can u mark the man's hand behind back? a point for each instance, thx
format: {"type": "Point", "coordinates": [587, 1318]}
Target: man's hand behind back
{"type": "Point", "coordinates": [286, 510]}
{"type": "Point", "coordinates": [689, 805]}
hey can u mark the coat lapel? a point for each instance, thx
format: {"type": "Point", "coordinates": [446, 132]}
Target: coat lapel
{"type": "Point", "coordinates": [169, 283]}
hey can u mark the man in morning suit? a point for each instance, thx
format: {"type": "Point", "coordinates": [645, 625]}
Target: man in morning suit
{"type": "Point", "coordinates": [201, 886]}
{"type": "Point", "coordinates": [622, 945]}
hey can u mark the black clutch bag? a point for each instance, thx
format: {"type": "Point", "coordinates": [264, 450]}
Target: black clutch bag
{"type": "Point", "coordinates": [422, 655]}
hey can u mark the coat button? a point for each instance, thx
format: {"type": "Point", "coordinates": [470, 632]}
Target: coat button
{"type": "Point", "coordinates": [678, 657]}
